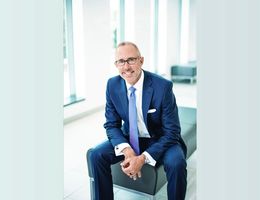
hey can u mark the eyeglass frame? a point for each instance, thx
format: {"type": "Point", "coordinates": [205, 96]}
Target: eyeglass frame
{"type": "Point", "coordinates": [134, 59]}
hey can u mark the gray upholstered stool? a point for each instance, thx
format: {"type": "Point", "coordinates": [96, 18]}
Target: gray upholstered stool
{"type": "Point", "coordinates": [153, 178]}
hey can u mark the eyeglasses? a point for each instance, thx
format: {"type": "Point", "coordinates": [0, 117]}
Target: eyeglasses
{"type": "Point", "coordinates": [130, 61]}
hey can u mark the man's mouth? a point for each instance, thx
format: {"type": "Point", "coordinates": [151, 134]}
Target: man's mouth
{"type": "Point", "coordinates": [128, 73]}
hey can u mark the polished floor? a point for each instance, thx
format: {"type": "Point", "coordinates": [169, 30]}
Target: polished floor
{"type": "Point", "coordinates": [82, 134]}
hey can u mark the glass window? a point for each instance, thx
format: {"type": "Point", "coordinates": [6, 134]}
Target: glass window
{"type": "Point", "coordinates": [70, 94]}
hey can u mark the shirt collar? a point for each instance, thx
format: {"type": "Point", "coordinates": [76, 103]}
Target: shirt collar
{"type": "Point", "coordinates": [139, 84]}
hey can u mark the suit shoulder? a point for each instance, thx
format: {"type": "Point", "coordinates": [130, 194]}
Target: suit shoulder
{"type": "Point", "coordinates": [114, 80]}
{"type": "Point", "coordinates": [159, 79]}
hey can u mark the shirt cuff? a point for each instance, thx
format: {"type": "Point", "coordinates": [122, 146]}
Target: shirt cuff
{"type": "Point", "coordinates": [119, 148]}
{"type": "Point", "coordinates": [149, 158]}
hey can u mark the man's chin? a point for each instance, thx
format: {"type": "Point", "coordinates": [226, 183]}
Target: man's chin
{"type": "Point", "coordinates": [129, 80]}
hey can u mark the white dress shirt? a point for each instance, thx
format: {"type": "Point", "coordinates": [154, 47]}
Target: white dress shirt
{"type": "Point", "coordinates": [143, 132]}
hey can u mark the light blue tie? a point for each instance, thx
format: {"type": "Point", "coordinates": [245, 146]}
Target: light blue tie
{"type": "Point", "coordinates": [133, 121]}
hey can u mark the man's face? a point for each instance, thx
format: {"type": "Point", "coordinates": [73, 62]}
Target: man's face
{"type": "Point", "coordinates": [130, 71]}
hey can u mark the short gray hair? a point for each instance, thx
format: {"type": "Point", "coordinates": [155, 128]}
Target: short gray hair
{"type": "Point", "coordinates": [129, 43]}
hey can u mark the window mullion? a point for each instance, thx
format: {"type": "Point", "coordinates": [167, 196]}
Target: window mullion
{"type": "Point", "coordinates": [70, 49]}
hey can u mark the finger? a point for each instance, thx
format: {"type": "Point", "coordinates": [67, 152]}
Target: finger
{"type": "Point", "coordinates": [125, 171]}
{"type": "Point", "coordinates": [130, 174]}
{"type": "Point", "coordinates": [125, 163]}
{"type": "Point", "coordinates": [134, 177]}
{"type": "Point", "coordinates": [139, 174]}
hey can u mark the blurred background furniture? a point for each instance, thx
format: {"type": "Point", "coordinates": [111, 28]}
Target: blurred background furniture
{"type": "Point", "coordinates": [184, 72]}
{"type": "Point", "coordinates": [153, 178]}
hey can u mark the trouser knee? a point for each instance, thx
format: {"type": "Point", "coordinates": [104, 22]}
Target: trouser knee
{"type": "Point", "coordinates": [178, 165]}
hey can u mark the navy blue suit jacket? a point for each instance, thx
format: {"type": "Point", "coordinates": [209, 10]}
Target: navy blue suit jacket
{"type": "Point", "coordinates": [163, 125]}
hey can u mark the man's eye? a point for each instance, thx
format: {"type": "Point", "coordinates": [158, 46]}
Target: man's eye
{"type": "Point", "coordinates": [120, 61]}
{"type": "Point", "coordinates": [131, 59]}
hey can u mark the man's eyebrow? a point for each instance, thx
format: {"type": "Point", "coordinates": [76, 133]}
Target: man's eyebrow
{"type": "Point", "coordinates": [126, 58]}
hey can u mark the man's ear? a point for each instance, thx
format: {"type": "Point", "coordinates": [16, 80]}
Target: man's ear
{"type": "Point", "coordinates": [142, 60]}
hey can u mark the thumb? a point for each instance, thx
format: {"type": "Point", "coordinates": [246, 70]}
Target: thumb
{"type": "Point", "coordinates": [125, 163]}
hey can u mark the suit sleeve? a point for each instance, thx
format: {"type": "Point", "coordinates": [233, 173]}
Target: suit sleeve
{"type": "Point", "coordinates": [113, 122]}
{"type": "Point", "coordinates": [170, 125]}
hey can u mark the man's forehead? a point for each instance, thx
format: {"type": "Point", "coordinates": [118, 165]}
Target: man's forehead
{"type": "Point", "coordinates": [126, 51]}
{"type": "Point", "coordinates": [127, 47]}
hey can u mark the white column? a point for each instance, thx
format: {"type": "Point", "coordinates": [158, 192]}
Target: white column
{"type": "Point", "coordinates": [142, 27]}
{"type": "Point", "coordinates": [228, 100]}
{"type": "Point", "coordinates": [172, 34]}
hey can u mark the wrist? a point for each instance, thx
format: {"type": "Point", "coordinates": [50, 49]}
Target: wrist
{"type": "Point", "coordinates": [144, 159]}
{"type": "Point", "coordinates": [128, 151]}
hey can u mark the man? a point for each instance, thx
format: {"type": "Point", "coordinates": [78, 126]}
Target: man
{"type": "Point", "coordinates": [142, 126]}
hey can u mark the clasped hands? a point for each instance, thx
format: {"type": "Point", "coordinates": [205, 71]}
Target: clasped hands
{"type": "Point", "coordinates": [132, 163]}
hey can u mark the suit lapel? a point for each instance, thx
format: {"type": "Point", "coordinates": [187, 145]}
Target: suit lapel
{"type": "Point", "coordinates": [147, 95]}
{"type": "Point", "coordinates": [122, 95]}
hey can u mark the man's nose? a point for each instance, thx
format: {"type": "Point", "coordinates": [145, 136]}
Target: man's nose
{"type": "Point", "coordinates": [126, 65]}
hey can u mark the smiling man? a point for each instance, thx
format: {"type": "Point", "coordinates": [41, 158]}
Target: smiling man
{"type": "Point", "coordinates": [142, 126]}
{"type": "Point", "coordinates": [129, 62]}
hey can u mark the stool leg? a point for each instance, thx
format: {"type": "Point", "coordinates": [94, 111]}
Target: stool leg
{"type": "Point", "coordinates": [151, 197]}
{"type": "Point", "coordinates": [91, 183]}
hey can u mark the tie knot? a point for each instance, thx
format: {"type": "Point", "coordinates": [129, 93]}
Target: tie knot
{"type": "Point", "coordinates": [132, 89]}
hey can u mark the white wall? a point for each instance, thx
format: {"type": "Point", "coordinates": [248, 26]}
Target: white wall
{"type": "Point", "coordinates": [228, 100]}
{"type": "Point", "coordinates": [173, 34]}
{"type": "Point", "coordinates": [31, 130]}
